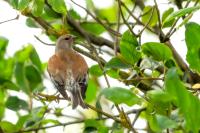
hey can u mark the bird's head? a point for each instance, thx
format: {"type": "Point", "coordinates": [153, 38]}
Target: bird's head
{"type": "Point", "coordinates": [65, 42]}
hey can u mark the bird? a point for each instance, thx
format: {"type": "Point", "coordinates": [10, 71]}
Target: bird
{"type": "Point", "coordinates": [68, 71]}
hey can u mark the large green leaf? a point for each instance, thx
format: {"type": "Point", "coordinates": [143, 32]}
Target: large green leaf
{"type": "Point", "coordinates": [35, 59]}
{"type": "Point", "coordinates": [188, 104]}
{"type": "Point", "coordinates": [108, 13]}
{"type": "Point", "coordinates": [165, 123]}
{"type": "Point", "coordinates": [37, 8]}
{"type": "Point", "coordinates": [58, 6]}
{"type": "Point", "coordinates": [49, 14]}
{"type": "Point", "coordinates": [23, 4]}
{"type": "Point", "coordinates": [74, 14]}
{"type": "Point", "coordinates": [3, 46]}
{"type": "Point", "coordinates": [21, 121]}
{"type": "Point", "coordinates": [2, 103]}
{"type": "Point", "coordinates": [23, 54]}
{"type": "Point", "coordinates": [31, 23]}
{"type": "Point", "coordinates": [181, 13]}
{"type": "Point", "coordinates": [120, 95]}
{"type": "Point", "coordinates": [91, 90]}
{"type": "Point", "coordinates": [15, 104]}
{"type": "Point", "coordinates": [8, 64]}
{"type": "Point", "coordinates": [165, 15]}
{"type": "Point", "coordinates": [117, 63]}
{"type": "Point", "coordinates": [33, 76]}
{"type": "Point", "coordinates": [192, 38]}
{"type": "Point", "coordinates": [96, 70]}
{"type": "Point", "coordinates": [93, 27]}
{"type": "Point", "coordinates": [128, 45]}
{"type": "Point", "coordinates": [158, 51]}
{"type": "Point", "coordinates": [92, 125]}
{"type": "Point", "coordinates": [14, 3]}
{"type": "Point", "coordinates": [7, 127]}
{"type": "Point", "coordinates": [7, 84]}
{"type": "Point", "coordinates": [147, 11]}
{"type": "Point", "coordinates": [20, 77]}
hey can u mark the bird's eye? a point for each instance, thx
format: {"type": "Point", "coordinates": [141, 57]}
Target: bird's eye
{"type": "Point", "coordinates": [66, 38]}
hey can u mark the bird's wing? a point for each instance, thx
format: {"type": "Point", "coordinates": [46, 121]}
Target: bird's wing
{"type": "Point", "coordinates": [79, 70]}
{"type": "Point", "coordinates": [56, 69]}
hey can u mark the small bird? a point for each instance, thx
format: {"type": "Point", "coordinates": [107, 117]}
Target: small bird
{"type": "Point", "coordinates": [69, 71]}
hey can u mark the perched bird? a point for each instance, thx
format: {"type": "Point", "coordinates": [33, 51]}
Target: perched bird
{"type": "Point", "coordinates": [68, 71]}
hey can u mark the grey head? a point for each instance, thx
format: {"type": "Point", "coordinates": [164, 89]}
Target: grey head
{"type": "Point", "coordinates": [64, 42]}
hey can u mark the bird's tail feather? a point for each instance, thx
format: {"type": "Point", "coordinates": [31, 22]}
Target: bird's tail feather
{"type": "Point", "coordinates": [77, 98]}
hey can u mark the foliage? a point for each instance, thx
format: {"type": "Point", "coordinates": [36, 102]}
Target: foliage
{"type": "Point", "coordinates": [170, 105]}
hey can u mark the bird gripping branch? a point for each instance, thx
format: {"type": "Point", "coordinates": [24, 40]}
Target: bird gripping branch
{"type": "Point", "coordinates": [68, 71]}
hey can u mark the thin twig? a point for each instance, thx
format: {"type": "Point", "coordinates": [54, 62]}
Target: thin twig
{"type": "Point", "coordinates": [159, 18]}
{"type": "Point", "coordinates": [125, 20]}
{"type": "Point", "coordinates": [136, 18]}
{"type": "Point", "coordinates": [173, 29]}
{"type": "Point", "coordinates": [49, 44]}
{"type": "Point", "coordinates": [17, 17]}
{"type": "Point", "coordinates": [118, 27]}
{"type": "Point", "coordinates": [98, 20]}
{"type": "Point", "coordinates": [150, 18]}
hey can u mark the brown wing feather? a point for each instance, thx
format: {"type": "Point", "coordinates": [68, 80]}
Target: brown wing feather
{"type": "Point", "coordinates": [56, 69]}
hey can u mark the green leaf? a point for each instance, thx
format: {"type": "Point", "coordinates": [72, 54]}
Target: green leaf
{"type": "Point", "coordinates": [20, 77]}
{"type": "Point", "coordinates": [14, 3]}
{"type": "Point", "coordinates": [117, 63]}
{"type": "Point", "coordinates": [158, 51]}
{"type": "Point", "coordinates": [33, 76]}
{"type": "Point", "coordinates": [37, 114]}
{"type": "Point", "coordinates": [192, 38]}
{"type": "Point", "coordinates": [58, 6]}
{"type": "Point", "coordinates": [128, 45]}
{"type": "Point", "coordinates": [38, 6]}
{"type": "Point", "coordinates": [93, 27]}
{"type": "Point", "coordinates": [108, 13]}
{"type": "Point", "coordinates": [9, 65]}
{"type": "Point", "coordinates": [3, 46]}
{"type": "Point", "coordinates": [188, 104]}
{"type": "Point", "coordinates": [7, 127]}
{"type": "Point", "coordinates": [147, 12]}
{"type": "Point", "coordinates": [23, 4]}
{"type": "Point", "coordinates": [91, 90]}
{"type": "Point", "coordinates": [159, 96]}
{"type": "Point", "coordinates": [35, 59]}
{"type": "Point", "coordinates": [120, 95]}
{"type": "Point", "coordinates": [92, 125]}
{"type": "Point", "coordinates": [95, 70]}
{"type": "Point", "coordinates": [7, 84]}
{"type": "Point", "coordinates": [165, 15]}
{"type": "Point", "coordinates": [113, 73]}
{"type": "Point", "coordinates": [21, 121]}
{"type": "Point", "coordinates": [15, 104]}
{"type": "Point", "coordinates": [181, 13]}
{"type": "Point", "coordinates": [23, 54]}
{"type": "Point", "coordinates": [165, 123]}
{"type": "Point", "coordinates": [2, 103]}
{"type": "Point", "coordinates": [2, 111]}
{"type": "Point", "coordinates": [74, 14]}
{"type": "Point", "coordinates": [49, 14]}
{"type": "Point", "coordinates": [47, 121]}
{"type": "Point", "coordinates": [31, 23]}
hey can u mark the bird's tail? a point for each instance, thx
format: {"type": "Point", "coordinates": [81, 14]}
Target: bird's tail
{"type": "Point", "coordinates": [76, 97]}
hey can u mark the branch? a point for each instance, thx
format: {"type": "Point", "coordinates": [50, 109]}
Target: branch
{"type": "Point", "coordinates": [98, 20]}
{"type": "Point", "coordinates": [99, 41]}
{"type": "Point", "coordinates": [78, 121]}
{"type": "Point", "coordinates": [125, 21]}
{"type": "Point", "coordinates": [17, 17]}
